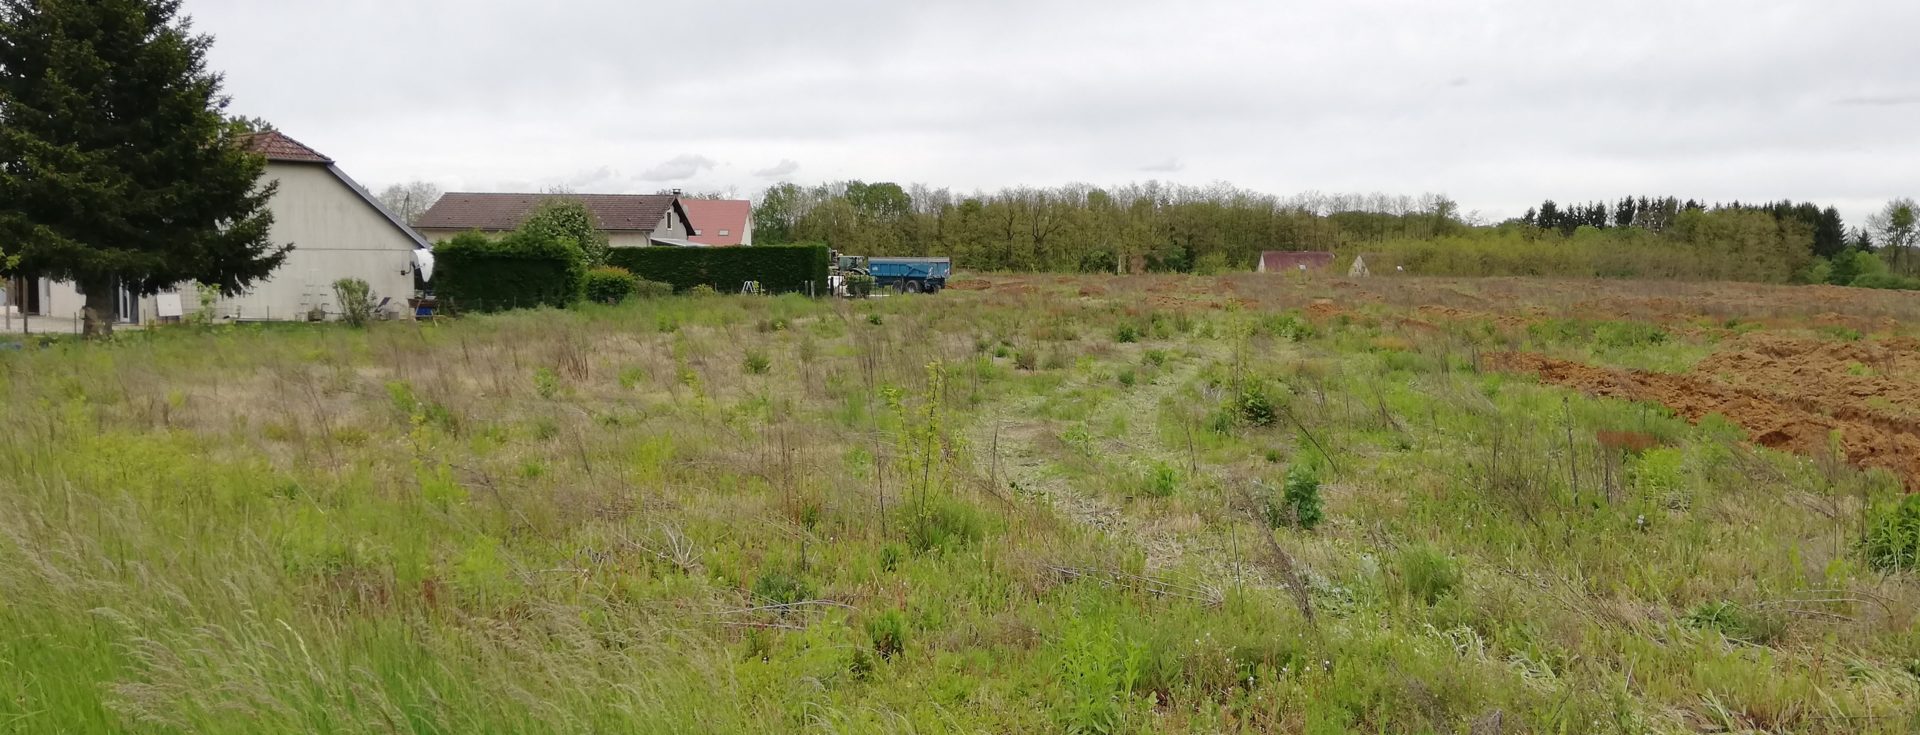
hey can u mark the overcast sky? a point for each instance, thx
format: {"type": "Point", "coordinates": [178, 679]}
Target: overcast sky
{"type": "Point", "coordinates": [1497, 103]}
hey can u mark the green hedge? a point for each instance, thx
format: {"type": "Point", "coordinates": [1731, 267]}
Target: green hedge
{"type": "Point", "coordinates": [473, 272]}
{"type": "Point", "coordinates": [778, 268]}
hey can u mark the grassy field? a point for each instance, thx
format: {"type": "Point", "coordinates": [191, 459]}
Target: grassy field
{"type": "Point", "coordinates": [1026, 505]}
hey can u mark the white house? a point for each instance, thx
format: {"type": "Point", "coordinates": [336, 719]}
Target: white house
{"type": "Point", "coordinates": [337, 230]}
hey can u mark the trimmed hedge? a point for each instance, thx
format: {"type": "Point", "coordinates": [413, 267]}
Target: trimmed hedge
{"type": "Point", "coordinates": [778, 268]}
{"type": "Point", "coordinates": [473, 272]}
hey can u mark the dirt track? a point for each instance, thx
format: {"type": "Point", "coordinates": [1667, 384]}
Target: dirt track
{"type": "Point", "coordinates": [1790, 394]}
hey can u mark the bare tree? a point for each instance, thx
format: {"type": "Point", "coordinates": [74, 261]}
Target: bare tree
{"type": "Point", "coordinates": [1897, 227]}
{"type": "Point", "coordinates": [410, 200]}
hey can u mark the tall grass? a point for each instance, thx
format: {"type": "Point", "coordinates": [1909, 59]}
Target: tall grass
{"type": "Point", "coordinates": [607, 520]}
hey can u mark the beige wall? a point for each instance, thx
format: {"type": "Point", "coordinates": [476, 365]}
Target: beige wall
{"type": "Point", "coordinates": [335, 234]}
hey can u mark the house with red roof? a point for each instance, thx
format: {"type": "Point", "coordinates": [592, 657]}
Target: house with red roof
{"type": "Point", "coordinates": [720, 222]}
{"type": "Point", "coordinates": [337, 229]}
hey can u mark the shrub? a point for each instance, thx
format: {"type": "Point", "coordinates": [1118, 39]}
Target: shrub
{"type": "Point", "coordinates": [1255, 408]}
{"type": "Point", "coordinates": [1628, 334]}
{"type": "Point", "coordinates": [889, 633]}
{"type": "Point", "coordinates": [610, 285]}
{"type": "Point", "coordinates": [1301, 498]}
{"type": "Point", "coordinates": [561, 218]}
{"type": "Point", "coordinates": [1892, 543]}
{"type": "Point", "coordinates": [1126, 334]}
{"type": "Point", "coordinates": [477, 273]}
{"type": "Point", "coordinates": [859, 287]}
{"type": "Point", "coordinates": [780, 269]}
{"type": "Point", "coordinates": [1426, 575]}
{"type": "Point", "coordinates": [775, 587]}
{"type": "Point", "coordinates": [646, 289]}
{"type": "Point", "coordinates": [356, 301]}
{"type": "Point", "coordinates": [1888, 281]}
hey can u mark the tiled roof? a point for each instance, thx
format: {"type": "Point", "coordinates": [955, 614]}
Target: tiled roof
{"type": "Point", "coordinates": [276, 146]}
{"type": "Point", "coordinates": [710, 216]}
{"type": "Point", "coordinates": [496, 212]}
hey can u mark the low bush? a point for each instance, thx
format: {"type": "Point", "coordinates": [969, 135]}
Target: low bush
{"type": "Point", "coordinates": [476, 273]}
{"type": "Point", "coordinates": [356, 301]}
{"type": "Point", "coordinates": [610, 285]}
{"type": "Point", "coordinates": [646, 289]}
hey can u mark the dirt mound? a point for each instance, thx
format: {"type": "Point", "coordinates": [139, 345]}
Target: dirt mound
{"type": "Point", "coordinates": [1792, 414]}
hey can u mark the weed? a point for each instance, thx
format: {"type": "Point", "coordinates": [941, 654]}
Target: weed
{"type": "Point", "coordinates": [546, 383]}
{"type": "Point", "coordinates": [1738, 623]}
{"type": "Point", "coordinates": [1892, 542]}
{"type": "Point", "coordinates": [756, 363]}
{"type": "Point", "coordinates": [1426, 574]}
{"type": "Point", "coordinates": [1156, 358]}
{"type": "Point", "coordinates": [945, 524]}
{"type": "Point", "coordinates": [1026, 360]}
{"type": "Point", "coordinates": [778, 587]}
{"type": "Point", "coordinates": [1126, 334]}
{"type": "Point", "coordinates": [876, 319]}
{"type": "Point", "coordinates": [1163, 481]}
{"type": "Point", "coordinates": [1301, 498]}
{"type": "Point", "coordinates": [888, 631]}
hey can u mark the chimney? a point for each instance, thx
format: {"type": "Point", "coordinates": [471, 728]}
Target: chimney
{"type": "Point", "coordinates": [677, 192]}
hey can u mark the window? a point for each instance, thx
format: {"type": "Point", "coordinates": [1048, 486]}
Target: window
{"type": "Point", "coordinates": [724, 233]}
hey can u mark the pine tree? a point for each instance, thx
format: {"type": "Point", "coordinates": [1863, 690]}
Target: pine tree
{"type": "Point", "coordinates": [118, 166]}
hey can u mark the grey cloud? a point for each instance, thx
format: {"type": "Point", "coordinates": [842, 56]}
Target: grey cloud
{"type": "Point", "coordinates": [1499, 108]}
{"type": "Point", "coordinates": [786, 167]}
{"type": "Point", "coordinates": [678, 168]}
{"type": "Point", "coordinates": [1879, 101]}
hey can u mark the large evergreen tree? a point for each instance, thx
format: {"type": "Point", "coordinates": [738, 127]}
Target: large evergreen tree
{"type": "Point", "coordinates": [118, 165]}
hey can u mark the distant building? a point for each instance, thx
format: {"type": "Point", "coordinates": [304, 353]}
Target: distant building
{"type": "Point", "coordinates": [629, 220]}
{"type": "Point", "coordinates": [1283, 261]}
{"type": "Point", "coordinates": [720, 222]}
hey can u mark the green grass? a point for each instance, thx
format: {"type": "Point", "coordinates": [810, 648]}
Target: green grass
{"type": "Point", "coordinates": [721, 514]}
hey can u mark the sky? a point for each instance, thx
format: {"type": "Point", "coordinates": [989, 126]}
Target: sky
{"type": "Point", "coordinates": [1496, 103]}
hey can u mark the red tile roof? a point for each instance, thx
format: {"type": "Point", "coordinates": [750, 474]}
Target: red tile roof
{"type": "Point", "coordinates": [1275, 261]}
{"type": "Point", "coordinates": [276, 146]}
{"type": "Point", "coordinates": [499, 212]}
{"type": "Point", "coordinates": [710, 216]}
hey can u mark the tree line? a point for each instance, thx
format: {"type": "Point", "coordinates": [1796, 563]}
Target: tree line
{"type": "Point", "coordinates": [1154, 226]}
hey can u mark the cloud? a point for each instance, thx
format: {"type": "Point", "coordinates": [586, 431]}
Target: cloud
{"type": "Point", "coordinates": [1171, 165]}
{"type": "Point", "coordinates": [1792, 100]}
{"type": "Point", "coordinates": [679, 168]}
{"type": "Point", "coordinates": [786, 167]}
{"type": "Point", "coordinates": [1879, 101]}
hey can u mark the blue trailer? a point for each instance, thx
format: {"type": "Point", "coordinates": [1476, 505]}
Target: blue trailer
{"type": "Point", "coordinates": [910, 275]}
